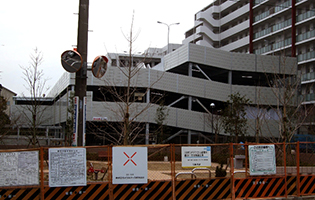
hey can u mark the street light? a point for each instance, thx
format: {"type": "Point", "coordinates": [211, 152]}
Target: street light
{"type": "Point", "coordinates": [212, 105]}
{"type": "Point", "coordinates": [168, 32]}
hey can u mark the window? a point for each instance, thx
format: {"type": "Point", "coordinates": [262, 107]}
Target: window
{"type": "Point", "coordinates": [114, 62]}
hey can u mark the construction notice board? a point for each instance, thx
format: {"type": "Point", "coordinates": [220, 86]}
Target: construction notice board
{"type": "Point", "coordinates": [196, 156]}
{"type": "Point", "coordinates": [262, 159]}
{"type": "Point", "coordinates": [67, 167]}
{"type": "Point", "coordinates": [130, 165]}
{"type": "Point", "coordinates": [19, 168]}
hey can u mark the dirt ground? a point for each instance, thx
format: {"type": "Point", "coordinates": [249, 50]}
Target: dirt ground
{"type": "Point", "coordinates": [157, 170]}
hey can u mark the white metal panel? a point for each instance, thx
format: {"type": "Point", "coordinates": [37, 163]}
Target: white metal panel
{"type": "Point", "coordinates": [243, 62]}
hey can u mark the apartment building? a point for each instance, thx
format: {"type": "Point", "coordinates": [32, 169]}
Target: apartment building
{"type": "Point", "coordinates": [264, 27]}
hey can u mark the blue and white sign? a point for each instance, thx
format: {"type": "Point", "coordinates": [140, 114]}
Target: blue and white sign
{"type": "Point", "coordinates": [196, 156]}
{"type": "Point", "coordinates": [75, 121]}
{"type": "Point", "coordinates": [84, 120]}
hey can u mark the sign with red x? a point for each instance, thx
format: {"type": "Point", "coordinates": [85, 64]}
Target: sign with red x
{"type": "Point", "coordinates": [130, 165]}
{"type": "Point", "coordinates": [130, 158]}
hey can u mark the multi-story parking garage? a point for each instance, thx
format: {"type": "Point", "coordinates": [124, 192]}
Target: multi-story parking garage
{"type": "Point", "coordinates": [264, 27]}
{"type": "Point", "coordinates": [189, 79]}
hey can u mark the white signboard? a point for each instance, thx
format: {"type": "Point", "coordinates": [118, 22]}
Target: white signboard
{"type": "Point", "coordinates": [67, 167]}
{"type": "Point", "coordinates": [196, 156]}
{"type": "Point", "coordinates": [100, 119]}
{"type": "Point", "coordinates": [262, 159]}
{"type": "Point", "coordinates": [19, 168]}
{"type": "Point", "coordinates": [130, 165]}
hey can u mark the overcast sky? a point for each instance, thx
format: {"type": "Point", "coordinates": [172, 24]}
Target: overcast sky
{"type": "Point", "coordinates": [51, 26]}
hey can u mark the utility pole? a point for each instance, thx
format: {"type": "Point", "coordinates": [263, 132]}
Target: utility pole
{"type": "Point", "coordinates": [81, 75]}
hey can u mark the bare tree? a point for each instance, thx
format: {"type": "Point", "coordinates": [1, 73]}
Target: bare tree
{"type": "Point", "coordinates": [217, 119]}
{"type": "Point", "coordinates": [160, 117]}
{"type": "Point", "coordinates": [288, 106]}
{"type": "Point", "coordinates": [234, 121]}
{"type": "Point", "coordinates": [35, 82]}
{"type": "Point", "coordinates": [289, 113]}
{"type": "Point", "coordinates": [126, 97]}
{"type": "Point", "coordinates": [70, 120]}
{"type": "Point", "coordinates": [258, 113]}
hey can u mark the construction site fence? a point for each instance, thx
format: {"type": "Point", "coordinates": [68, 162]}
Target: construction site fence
{"type": "Point", "coordinates": [228, 177]}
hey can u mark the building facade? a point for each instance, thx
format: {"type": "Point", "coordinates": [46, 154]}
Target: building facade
{"type": "Point", "coordinates": [190, 79]}
{"type": "Point", "coordinates": [263, 27]}
{"type": "Point", "coordinates": [8, 96]}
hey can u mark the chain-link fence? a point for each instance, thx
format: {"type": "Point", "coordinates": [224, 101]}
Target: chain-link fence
{"type": "Point", "coordinates": [98, 162]}
{"type": "Point", "coordinates": [171, 163]}
{"type": "Point", "coordinates": [162, 157]}
{"type": "Point", "coordinates": [159, 165]}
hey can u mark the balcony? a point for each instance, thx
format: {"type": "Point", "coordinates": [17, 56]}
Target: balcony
{"type": "Point", "coordinates": [306, 56]}
{"type": "Point", "coordinates": [308, 76]}
{"type": "Point", "coordinates": [259, 1]}
{"type": "Point", "coordinates": [307, 97]}
{"type": "Point", "coordinates": [274, 47]}
{"type": "Point", "coordinates": [305, 15]}
{"type": "Point", "coordinates": [274, 28]}
{"type": "Point", "coordinates": [305, 36]}
{"type": "Point", "coordinates": [271, 11]}
{"type": "Point", "coordinates": [288, 41]}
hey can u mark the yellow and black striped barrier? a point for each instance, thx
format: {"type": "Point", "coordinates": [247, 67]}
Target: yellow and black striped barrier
{"type": "Point", "coordinates": [20, 193]}
{"type": "Point", "coordinates": [215, 188]}
{"type": "Point", "coordinates": [307, 185]}
{"type": "Point", "coordinates": [291, 185]}
{"type": "Point", "coordinates": [151, 190]}
{"type": "Point", "coordinates": [259, 187]}
{"type": "Point", "coordinates": [93, 191]}
{"type": "Point", "coordinates": [219, 188]}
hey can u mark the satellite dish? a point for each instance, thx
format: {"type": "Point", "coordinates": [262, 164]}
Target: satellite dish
{"type": "Point", "coordinates": [71, 61]}
{"type": "Point", "coordinates": [99, 66]}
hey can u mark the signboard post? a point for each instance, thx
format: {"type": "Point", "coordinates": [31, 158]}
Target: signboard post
{"type": "Point", "coordinates": [67, 167]}
{"type": "Point", "coordinates": [262, 160]}
{"type": "Point", "coordinates": [196, 156]}
{"type": "Point", "coordinates": [130, 165]}
{"type": "Point", "coordinates": [84, 120]}
{"type": "Point", "coordinates": [75, 61]}
{"type": "Point", "coordinates": [75, 122]}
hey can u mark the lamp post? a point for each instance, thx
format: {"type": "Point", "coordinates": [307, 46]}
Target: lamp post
{"type": "Point", "coordinates": [168, 32]}
{"type": "Point", "coordinates": [212, 105]}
